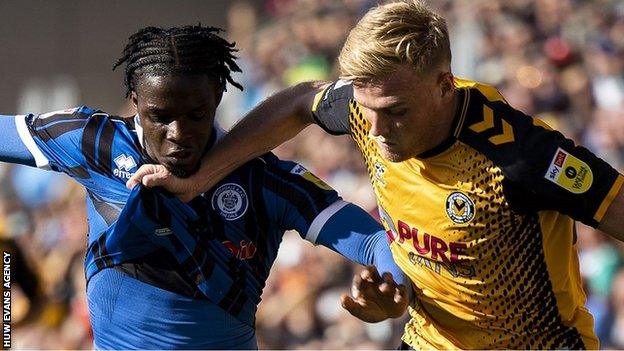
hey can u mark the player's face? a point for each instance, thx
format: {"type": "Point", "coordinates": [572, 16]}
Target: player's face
{"type": "Point", "coordinates": [406, 111]}
{"type": "Point", "coordinates": [177, 115]}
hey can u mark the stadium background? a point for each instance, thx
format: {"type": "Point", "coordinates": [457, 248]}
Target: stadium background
{"type": "Point", "coordinates": [562, 60]}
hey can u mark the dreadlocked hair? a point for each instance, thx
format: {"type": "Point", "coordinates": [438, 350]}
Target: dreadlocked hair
{"type": "Point", "coordinates": [178, 50]}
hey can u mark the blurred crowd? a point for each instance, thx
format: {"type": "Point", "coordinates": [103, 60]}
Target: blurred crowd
{"type": "Point", "coordinates": [560, 60]}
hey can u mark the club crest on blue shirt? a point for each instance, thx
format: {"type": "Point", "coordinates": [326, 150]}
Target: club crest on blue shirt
{"type": "Point", "coordinates": [230, 200]}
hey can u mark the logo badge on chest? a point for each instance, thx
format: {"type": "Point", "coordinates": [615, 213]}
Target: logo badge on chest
{"type": "Point", "coordinates": [380, 171]}
{"type": "Point", "coordinates": [460, 208]}
{"type": "Point", "coordinates": [231, 201]}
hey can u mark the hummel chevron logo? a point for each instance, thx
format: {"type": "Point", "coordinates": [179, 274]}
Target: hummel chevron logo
{"type": "Point", "coordinates": [506, 136]}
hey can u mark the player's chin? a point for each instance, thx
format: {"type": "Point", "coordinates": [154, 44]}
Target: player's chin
{"type": "Point", "coordinates": [182, 170]}
{"type": "Point", "coordinates": [393, 155]}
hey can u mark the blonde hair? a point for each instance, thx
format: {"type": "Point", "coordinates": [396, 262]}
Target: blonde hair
{"type": "Point", "coordinates": [389, 35]}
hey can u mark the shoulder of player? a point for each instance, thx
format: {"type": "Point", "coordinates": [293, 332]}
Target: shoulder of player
{"type": "Point", "coordinates": [334, 101]}
{"type": "Point", "coordinates": [289, 173]}
{"type": "Point", "coordinates": [75, 118]}
{"type": "Point", "coordinates": [340, 91]}
{"type": "Point", "coordinates": [487, 123]}
{"type": "Point", "coordinates": [274, 165]}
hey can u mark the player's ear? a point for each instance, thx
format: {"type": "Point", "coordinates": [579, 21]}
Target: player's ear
{"type": "Point", "coordinates": [447, 86]}
{"type": "Point", "coordinates": [133, 98]}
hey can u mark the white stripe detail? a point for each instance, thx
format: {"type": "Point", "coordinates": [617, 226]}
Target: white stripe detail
{"type": "Point", "coordinates": [319, 222]}
{"type": "Point", "coordinates": [138, 129]}
{"type": "Point", "coordinates": [31, 145]}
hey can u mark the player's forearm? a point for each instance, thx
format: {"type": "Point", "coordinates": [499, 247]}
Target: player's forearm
{"type": "Point", "coordinates": [12, 148]}
{"type": "Point", "coordinates": [274, 121]}
{"type": "Point", "coordinates": [613, 220]}
{"type": "Point", "coordinates": [355, 235]}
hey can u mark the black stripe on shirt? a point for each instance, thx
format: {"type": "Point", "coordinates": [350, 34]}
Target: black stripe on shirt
{"type": "Point", "coordinates": [88, 141]}
{"type": "Point", "coordinates": [320, 197]}
{"type": "Point", "coordinates": [105, 146]}
{"type": "Point", "coordinates": [78, 172]}
{"type": "Point", "coordinates": [261, 219]}
{"type": "Point", "coordinates": [54, 131]}
{"type": "Point", "coordinates": [295, 196]}
{"type": "Point", "coordinates": [235, 298]}
{"type": "Point", "coordinates": [39, 122]}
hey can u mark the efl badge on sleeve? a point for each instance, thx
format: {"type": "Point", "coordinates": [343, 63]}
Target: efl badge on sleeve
{"type": "Point", "coordinates": [307, 175]}
{"type": "Point", "coordinates": [569, 172]}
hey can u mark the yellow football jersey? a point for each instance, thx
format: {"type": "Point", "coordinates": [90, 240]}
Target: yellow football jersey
{"type": "Point", "coordinates": [482, 224]}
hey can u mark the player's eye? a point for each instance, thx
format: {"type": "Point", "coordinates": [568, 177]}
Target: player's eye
{"type": "Point", "coordinates": [162, 119]}
{"type": "Point", "coordinates": [397, 112]}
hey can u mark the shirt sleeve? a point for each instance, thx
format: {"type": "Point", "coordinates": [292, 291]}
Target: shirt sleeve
{"type": "Point", "coordinates": [330, 108]}
{"type": "Point", "coordinates": [301, 201]}
{"type": "Point", "coordinates": [54, 139]}
{"type": "Point", "coordinates": [544, 170]}
{"type": "Point", "coordinates": [13, 149]}
{"type": "Point", "coordinates": [297, 199]}
{"type": "Point", "coordinates": [354, 234]}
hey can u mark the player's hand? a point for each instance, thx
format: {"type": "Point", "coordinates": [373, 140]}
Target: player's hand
{"type": "Point", "coordinates": [157, 175]}
{"type": "Point", "coordinates": [375, 298]}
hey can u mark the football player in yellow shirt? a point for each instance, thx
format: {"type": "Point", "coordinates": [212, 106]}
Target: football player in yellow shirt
{"type": "Point", "coordinates": [479, 198]}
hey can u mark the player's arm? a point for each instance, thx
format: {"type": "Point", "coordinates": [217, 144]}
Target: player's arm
{"type": "Point", "coordinates": [276, 120]}
{"type": "Point", "coordinates": [299, 200]}
{"type": "Point", "coordinates": [613, 220]}
{"type": "Point", "coordinates": [355, 235]}
{"type": "Point", "coordinates": [545, 170]}
{"type": "Point", "coordinates": [13, 149]}
{"type": "Point", "coordinates": [49, 141]}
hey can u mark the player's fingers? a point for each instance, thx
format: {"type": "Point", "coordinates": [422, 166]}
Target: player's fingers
{"type": "Point", "coordinates": [137, 177]}
{"type": "Point", "coordinates": [357, 286]}
{"type": "Point", "coordinates": [388, 286]}
{"type": "Point", "coordinates": [159, 178]}
{"type": "Point", "coordinates": [400, 295]}
{"type": "Point", "coordinates": [152, 180]}
{"type": "Point", "coordinates": [351, 305]}
{"type": "Point", "coordinates": [131, 183]}
{"type": "Point", "coordinates": [370, 274]}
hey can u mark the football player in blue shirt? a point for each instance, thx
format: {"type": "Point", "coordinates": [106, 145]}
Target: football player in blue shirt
{"type": "Point", "coordinates": [161, 273]}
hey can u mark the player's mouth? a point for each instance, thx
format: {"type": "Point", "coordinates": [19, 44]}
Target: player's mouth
{"type": "Point", "coordinates": [181, 158]}
{"type": "Point", "coordinates": [180, 154]}
{"type": "Point", "coordinates": [181, 164]}
{"type": "Point", "coordinates": [386, 144]}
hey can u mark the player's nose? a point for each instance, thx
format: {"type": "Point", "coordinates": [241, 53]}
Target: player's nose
{"type": "Point", "coordinates": [379, 125]}
{"type": "Point", "coordinates": [179, 132]}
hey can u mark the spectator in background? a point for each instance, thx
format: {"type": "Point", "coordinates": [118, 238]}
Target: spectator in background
{"type": "Point", "coordinates": [574, 50]}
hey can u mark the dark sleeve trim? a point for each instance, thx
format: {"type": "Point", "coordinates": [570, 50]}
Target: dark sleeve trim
{"type": "Point", "coordinates": [320, 124]}
{"type": "Point", "coordinates": [615, 189]}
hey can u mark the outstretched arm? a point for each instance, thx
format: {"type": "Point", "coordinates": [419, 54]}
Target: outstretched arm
{"type": "Point", "coordinates": [352, 233]}
{"type": "Point", "coordinates": [12, 148]}
{"type": "Point", "coordinates": [296, 199]}
{"type": "Point", "coordinates": [274, 121]}
{"type": "Point", "coordinates": [613, 221]}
